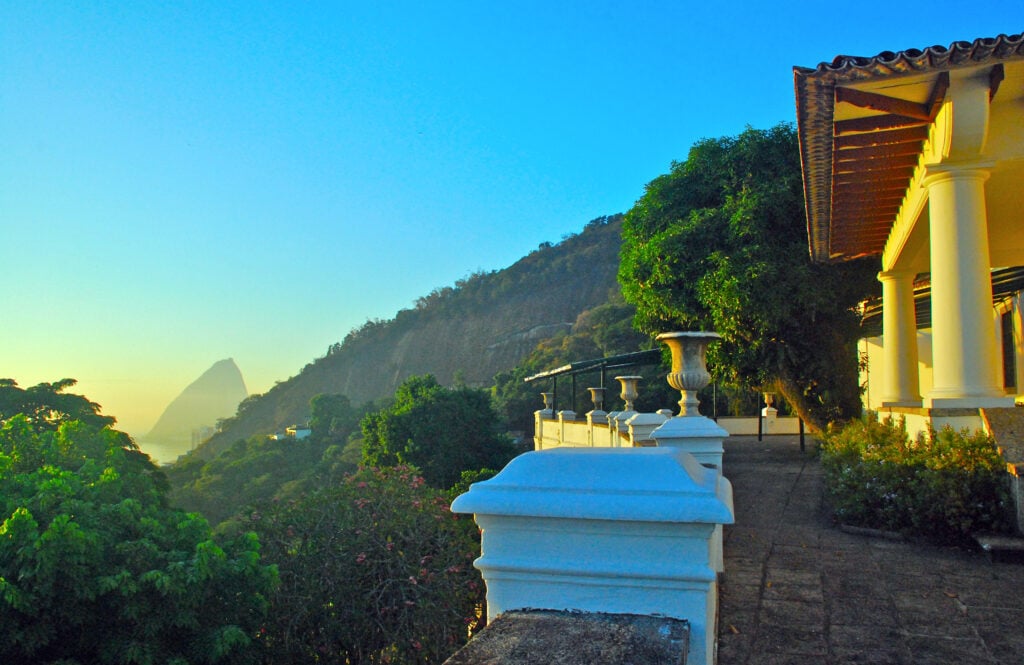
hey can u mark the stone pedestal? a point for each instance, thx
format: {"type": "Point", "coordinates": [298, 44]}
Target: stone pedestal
{"type": "Point", "coordinates": [604, 530]}
{"type": "Point", "coordinates": [642, 425]}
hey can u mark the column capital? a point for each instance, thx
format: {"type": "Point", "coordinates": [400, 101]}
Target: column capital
{"type": "Point", "coordinates": [896, 275]}
{"type": "Point", "coordinates": [973, 170]}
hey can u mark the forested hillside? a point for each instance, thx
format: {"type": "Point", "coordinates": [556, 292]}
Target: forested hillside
{"type": "Point", "coordinates": [484, 324]}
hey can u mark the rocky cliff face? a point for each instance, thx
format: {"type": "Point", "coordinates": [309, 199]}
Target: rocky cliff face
{"type": "Point", "coordinates": [483, 325]}
{"type": "Point", "coordinates": [214, 395]}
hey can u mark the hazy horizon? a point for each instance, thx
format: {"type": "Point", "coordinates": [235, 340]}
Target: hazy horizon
{"type": "Point", "coordinates": [187, 183]}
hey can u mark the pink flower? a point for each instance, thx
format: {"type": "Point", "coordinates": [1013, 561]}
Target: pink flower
{"type": "Point", "coordinates": [361, 558]}
{"type": "Point", "coordinates": [416, 645]}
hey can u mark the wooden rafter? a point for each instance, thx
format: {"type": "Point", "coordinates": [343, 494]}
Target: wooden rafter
{"type": "Point", "coordinates": [876, 102]}
{"type": "Point", "coordinates": [885, 188]}
{"type": "Point", "coordinates": [875, 123]}
{"type": "Point", "coordinates": [938, 95]}
{"type": "Point", "coordinates": [879, 165]}
{"type": "Point", "coordinates": [911, 135]}
{"type": "Point", "coordinates": [995, 77]}
{"type": "Point", "coordinates": [878, 152]}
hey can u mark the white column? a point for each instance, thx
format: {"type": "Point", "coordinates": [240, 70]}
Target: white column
{"type": "Point", "coordinates": [965, 362]}
{"type": "Point", "coordinates": [899, 340]}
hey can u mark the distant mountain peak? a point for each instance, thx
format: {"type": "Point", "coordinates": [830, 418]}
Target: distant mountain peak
{"type": "Point", "coordinates": [214, 395]}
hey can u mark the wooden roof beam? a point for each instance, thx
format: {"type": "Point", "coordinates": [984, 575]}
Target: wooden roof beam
{"type": "Point", "coordinates": [891, 164]}
{"type": "Point", "coordinates": [995, 77]}
{"type": "Point", "coordinates": [876, 102]}
{"type": "Point", "coordinates": [875, 123]}
{"type": "Point", "coordinates": [879, 152]}
{"type": "Point", "coordinates": [891, 137]}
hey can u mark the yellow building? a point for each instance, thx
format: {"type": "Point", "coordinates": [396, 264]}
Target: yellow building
{"type": "Point", "coordinates": [917, 158]}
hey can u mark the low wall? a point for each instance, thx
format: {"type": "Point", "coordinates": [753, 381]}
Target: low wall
{"type": "Point", "coordinates": [552, 433]}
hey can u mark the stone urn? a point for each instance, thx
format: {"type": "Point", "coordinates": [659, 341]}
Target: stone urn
{"type": "Point", "coordinates": [597, 397]}
{"type": "Point", "coordinates": [629, 391]}
{"type": "Point", "coordinates": [689, 369]}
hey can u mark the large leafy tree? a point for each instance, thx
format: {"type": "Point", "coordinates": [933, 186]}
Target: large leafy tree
{"type": "Point", "coordinates": [719, 243]}
{"type": "Point", "coordinates": [441, 431]}
{"type": "Point", "coordinates": [94, 565]}
{"type": "Point", "coordinates": [46, 405]}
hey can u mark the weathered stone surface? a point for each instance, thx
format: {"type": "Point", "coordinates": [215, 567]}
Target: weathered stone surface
{"type": "Point", "coordinates": [537, 637]}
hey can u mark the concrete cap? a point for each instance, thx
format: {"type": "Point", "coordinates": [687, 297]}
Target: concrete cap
{"type": "Point", "coordinates": [634, 484]}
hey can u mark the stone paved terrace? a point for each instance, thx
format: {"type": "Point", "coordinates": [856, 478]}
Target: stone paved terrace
{"type": "Point", "coordinates": [797, 590]}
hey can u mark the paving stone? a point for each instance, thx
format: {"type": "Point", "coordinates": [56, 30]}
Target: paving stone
{"type": "Point", "coordinates": [890, 655]}
{"type": "Point", "coordinates": [790, 640]}
{"type": "Point", "coordinates": [946, 651]}
{"type": "Point", "coordinates": [805, 593]}
{"type": "Point", "coordinates": [873, 612]}
{"type": "Point", "coordinates": [792, 613]}
{"type": "Point", "coordinates": [784, 575]}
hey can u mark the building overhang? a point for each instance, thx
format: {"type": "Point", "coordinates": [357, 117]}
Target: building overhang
{"type": "Point", "coordinates": [865, 127]}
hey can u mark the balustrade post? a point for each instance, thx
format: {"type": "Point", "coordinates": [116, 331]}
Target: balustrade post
{"type": "Point", "coordinates": [601, 530]}
{"type": "Point", "coordinates": [690, 431]}
{"type": "Point", "coordinates": [629, 394]}
{"type": "Point", "coordinates": [596, 414]}
{"type": "Point", "coordinates": [538, 420]}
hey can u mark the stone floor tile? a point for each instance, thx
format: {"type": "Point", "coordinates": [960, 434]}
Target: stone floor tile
{"type": "Point", "coordinates": [947, 651]}
{"type": "Point", "coordinates": [887, 655]}
{"type": "Point", "coordinates": [873, 612]}
{"type": "Point", "coordinates": [804, 593]}
{"type": "Point", "coordinates": [789, 640]}
{"type": "Point", "coordinates": [778, 574]}
{"type": "Point", "coordinates": [792, 613]}
{"type": "Point", "coordinates": [785, 659]}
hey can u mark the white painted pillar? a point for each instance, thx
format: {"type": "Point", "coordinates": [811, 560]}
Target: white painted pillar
{"type": "Point", "coordinates": [620, 531]}
{"type": "Point", "coordinates": [965, 362]}
{"type": "Point", "coordinates": [901, 385]}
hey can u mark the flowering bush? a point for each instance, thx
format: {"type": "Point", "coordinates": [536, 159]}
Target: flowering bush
{"type": "Point", "coordinates": [375, 570]}
{"type": "Point", "coordinates": [944, 486]}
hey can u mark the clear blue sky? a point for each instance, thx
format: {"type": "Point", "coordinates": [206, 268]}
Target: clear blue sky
{"type": "Point", "coordinates": [188, 181]}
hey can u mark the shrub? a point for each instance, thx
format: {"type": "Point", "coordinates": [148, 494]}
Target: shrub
{"type": "Point", "coordinates": [373, 570]}
{"type": "Point", "coordinates": [944, 486]}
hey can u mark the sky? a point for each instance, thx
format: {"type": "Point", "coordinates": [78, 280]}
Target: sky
{"type": "Point", "coordinates": [182, 182]}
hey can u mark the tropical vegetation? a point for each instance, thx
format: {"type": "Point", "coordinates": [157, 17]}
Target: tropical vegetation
{"type": "Point", "coordinates": [946, 486]}
{"type": "Point", "coordinates": [95, 566]}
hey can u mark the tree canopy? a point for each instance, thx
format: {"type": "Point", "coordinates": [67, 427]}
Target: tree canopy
{"type": "Point", "coordinates": [441, 431]}
{"type": "Point", "coordinates": [719, 243]}
{"type": "Point", "coordinates": [94, 566]}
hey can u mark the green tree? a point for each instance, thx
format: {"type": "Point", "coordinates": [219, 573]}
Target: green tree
{"type": "Point", "coordinates": [333, 416]}
{"type": "Point", "coordinates": [375, 569]}
{"type": "Point", "coordinates": [96, 568]}
{"type": "Point", "coordinates": [441, 431]}
{"type": "Point", "coordinates": [719, 243]}
{"type": "Point", "coordinates": [46, 405]}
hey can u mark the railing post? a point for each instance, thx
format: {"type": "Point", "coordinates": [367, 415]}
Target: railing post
{"type": "Point", "coordinates": [609, 531]}
{"type": "Point", "coordinates": [596, 414]}
{"type": "Point", "coordinates": [690, 431]}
